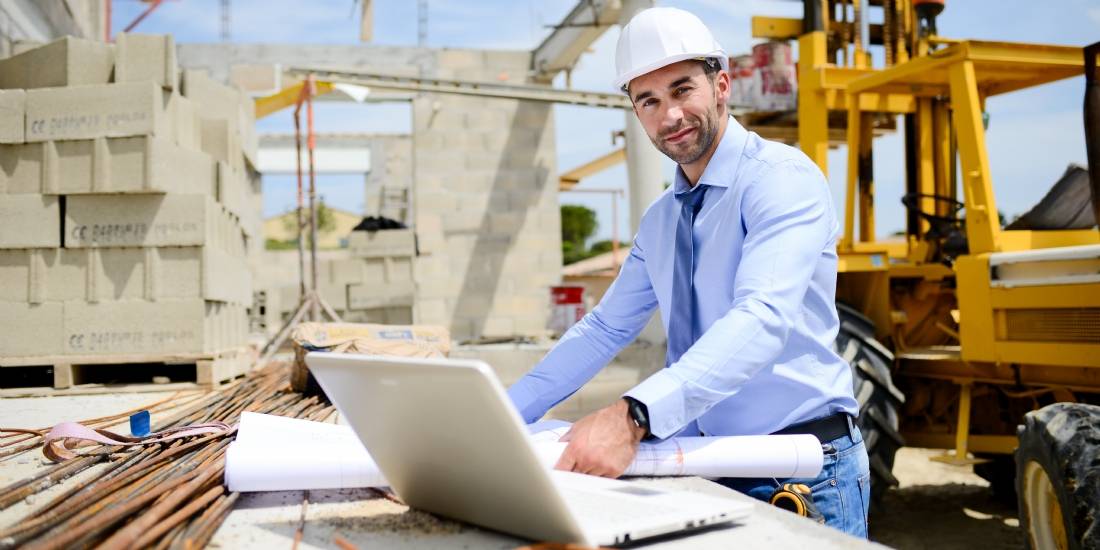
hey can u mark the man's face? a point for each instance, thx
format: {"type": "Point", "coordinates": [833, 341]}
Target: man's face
{"type": "Point", "coordinates": [678, 105]}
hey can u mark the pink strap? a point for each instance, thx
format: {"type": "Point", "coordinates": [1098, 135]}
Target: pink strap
{"type": "Point", "coordinates": [70, 435]}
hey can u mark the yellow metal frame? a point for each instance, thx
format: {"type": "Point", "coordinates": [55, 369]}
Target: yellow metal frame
{"type": "Point", "coordinates": [967, 72]}
{"type": "Point", "coordinates": [941, 89]}
{"type": "Point", "coordinates": [982, 309]}
{"type": "Point", "coordinates": [286, 97]}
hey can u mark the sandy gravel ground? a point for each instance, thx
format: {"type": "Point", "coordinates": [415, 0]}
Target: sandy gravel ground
{"type": "Point", "coordinates": [943, 507]}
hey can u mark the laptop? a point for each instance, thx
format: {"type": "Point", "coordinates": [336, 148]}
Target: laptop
{"type": "Point", "coordinates": [449, 441]}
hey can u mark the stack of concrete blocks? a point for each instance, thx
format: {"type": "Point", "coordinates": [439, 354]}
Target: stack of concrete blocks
{"type": "Point", "coordinates": [484, 200]}
{"type": "Point", "coordinates": [373, 285]}
{"type": "Point", "coordinates": [125, 206]}
{"type": "Point", "coordinates": [486, 204]}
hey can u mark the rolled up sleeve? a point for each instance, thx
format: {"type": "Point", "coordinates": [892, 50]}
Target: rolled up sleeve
{"type": "Point", "coordinates": [591, 343]}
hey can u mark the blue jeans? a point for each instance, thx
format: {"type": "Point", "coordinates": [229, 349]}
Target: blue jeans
{"type": "Point", "coordinates": [841, 492]}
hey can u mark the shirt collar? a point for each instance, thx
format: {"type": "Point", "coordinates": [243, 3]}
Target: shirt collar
{"type": "Point", "coordinates": [722, 167]}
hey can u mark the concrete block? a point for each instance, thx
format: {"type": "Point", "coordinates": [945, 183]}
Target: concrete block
{"type": "Point", "coordinates": [378, 244]}
{"type": "Point", "coordinates": [31, 329]}
{"type": "Point", "coordinates": [498, 326]}
{"type": "Point", "coordinates": [30, 221]}
{"type": "Point", "coordinates": [380, 295]}
{"type": "Point", "coordinates": [531, 325]}
{"type": "Point", "coordinates": [147, 220]}
{"type": "Point", "coordinates": [429, 233]}
{"type": "Point", "coordinates": [18, 173]}
{"type": "Point", "coordinates": [256, 79]}
{"type": "Point", "coordinates": [214, 100]}
{"type": "Point", "coordinates": [389, 270]}
{"type": "Point", "coordinates": [433, 311]}
{"type": "Point", "coordinates": [67, 61]}
{"type": "Point", "coordinates": [105, 274]}
{"type": "Point", "coordinates": [142, 327]}
{"type": "Point", "coordinates": [508, 223]}
{"type": "Point", "coordinates": [143, 57]}
{"type": "Point", "coordinates": [86, 112]}
{"type": "Point", "coordinates": [221, 142]}
{"type": "Point", "coordinates": [232, 189]}
{"type": "Point", "coordinates": [225, 277]}
{"type": "Point", "coordinates": [13, 116]}
{"type": "Point", "coordinates": [185, 122]}
{"type": "Point", "coordinates": [400, 315]}
{"type": "Point", "coordinates": [105, 165]}
{"type": "Point", "coordinates": [20, 46]}
{"type": "Point", "coordinates": [343, 272]}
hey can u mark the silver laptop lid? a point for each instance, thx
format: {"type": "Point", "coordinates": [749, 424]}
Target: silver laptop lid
{"type": "Point", "coordinates": [448, 440]}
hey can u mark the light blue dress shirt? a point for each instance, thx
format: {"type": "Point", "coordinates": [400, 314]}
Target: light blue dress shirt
{"type": "Point", "coordinates": [765, 280]}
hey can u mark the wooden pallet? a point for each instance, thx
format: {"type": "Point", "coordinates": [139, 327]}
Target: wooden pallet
{"type": "Point", "coordinates": [92, 374]}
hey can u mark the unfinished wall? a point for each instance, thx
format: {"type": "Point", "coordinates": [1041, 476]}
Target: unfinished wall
{"type": "Point", "coordinates": [486, 168]}
{"type": "Point", "coordinates": [485, 205]}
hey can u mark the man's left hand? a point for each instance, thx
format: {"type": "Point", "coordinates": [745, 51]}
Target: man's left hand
{"type": "Point", "coordinates": [603, 443]}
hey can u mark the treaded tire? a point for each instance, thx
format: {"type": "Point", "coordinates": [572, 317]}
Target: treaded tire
{"type": "Point", "coordinates": [1064, 440]}
{"type": "Point", "coordinates": [874, 389]}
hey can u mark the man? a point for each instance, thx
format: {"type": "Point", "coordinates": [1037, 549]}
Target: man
{"type": "Point", "coordinates": [739, 256]}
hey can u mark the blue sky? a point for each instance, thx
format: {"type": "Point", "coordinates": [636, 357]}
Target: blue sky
{"type": "Point", "coordinates": [1032, 135]}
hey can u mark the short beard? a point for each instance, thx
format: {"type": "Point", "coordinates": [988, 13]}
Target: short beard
{"type": "Point", "coordinates": [706, 134]}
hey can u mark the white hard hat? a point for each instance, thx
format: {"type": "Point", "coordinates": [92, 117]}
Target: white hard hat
{"type": "Point", "coordinates": [657, 37]}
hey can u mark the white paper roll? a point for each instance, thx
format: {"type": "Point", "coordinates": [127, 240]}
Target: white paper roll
{"type": "Point", "coordinates": [274, 453]}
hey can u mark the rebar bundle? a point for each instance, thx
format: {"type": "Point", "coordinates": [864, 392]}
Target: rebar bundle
{"type": "Point", "coordinates": [161, 496]}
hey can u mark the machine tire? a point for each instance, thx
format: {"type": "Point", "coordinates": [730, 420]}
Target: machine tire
{"type": "Point", "coordinates": [874, 389]}
{"type": "Point", "coordinates": [1058, 477]}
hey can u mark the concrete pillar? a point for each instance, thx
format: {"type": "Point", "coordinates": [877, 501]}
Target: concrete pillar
{"type": "Point", "coordinates": [643, 170]}
{"type": "Point", "coordinates": [643, 160]}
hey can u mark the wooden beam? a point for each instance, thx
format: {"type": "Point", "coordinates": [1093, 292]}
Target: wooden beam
{"type": "Point", "coordinates": [570, 179]}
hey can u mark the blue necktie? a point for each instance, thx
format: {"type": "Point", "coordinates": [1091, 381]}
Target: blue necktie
{"type": "Point", "coordinates": [681, 324]}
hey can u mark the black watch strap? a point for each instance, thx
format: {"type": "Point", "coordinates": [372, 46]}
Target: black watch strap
{"type": "Point", "coordinates": [639, 413]}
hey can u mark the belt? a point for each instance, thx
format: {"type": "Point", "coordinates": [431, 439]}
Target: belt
{"type": "Point", "coordinates": [825, 429]}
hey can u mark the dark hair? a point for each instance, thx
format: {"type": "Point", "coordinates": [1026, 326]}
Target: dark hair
{"type": "Point", "coordinates": [711, 66]}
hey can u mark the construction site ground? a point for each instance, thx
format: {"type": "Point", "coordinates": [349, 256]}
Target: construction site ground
{"type": "Point", "coordinates": [937, 506]}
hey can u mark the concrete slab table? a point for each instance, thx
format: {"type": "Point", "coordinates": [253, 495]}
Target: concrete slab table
{"type": "Point", "coordinates": [269, 520]}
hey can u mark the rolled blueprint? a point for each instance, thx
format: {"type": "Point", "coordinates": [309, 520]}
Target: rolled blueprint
{"type": "Point", "coordinates": [274, 453]}
{"type": "Point", "coordinates": [778, 456]}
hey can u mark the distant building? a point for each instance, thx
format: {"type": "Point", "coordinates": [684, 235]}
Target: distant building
{"type": "Point", "coordinates": [282, 228]}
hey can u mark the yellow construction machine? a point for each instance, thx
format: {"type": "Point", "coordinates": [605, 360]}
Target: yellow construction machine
{"type": "Point", "coordinates": [966, 335]}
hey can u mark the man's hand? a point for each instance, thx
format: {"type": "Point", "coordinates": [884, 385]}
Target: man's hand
{"type": "Point", "coordinates": [603, 443]}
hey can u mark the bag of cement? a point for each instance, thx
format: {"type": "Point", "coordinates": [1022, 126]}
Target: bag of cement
{"type": "Point", "coordinates": [397, 340]}
{"type": "Point", "coordinates": [775, 79]}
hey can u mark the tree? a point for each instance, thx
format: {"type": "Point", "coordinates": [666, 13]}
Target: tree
{"type": "Point", "coordinates": [600, 247]}
{"type": "Point", "coordinates": [326, 222]}
{"type": "Point", "coordinates": [578, 223]}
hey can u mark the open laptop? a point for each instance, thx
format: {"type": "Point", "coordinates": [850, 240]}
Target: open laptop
{"type": "Point", "coordinates": [449, 441]}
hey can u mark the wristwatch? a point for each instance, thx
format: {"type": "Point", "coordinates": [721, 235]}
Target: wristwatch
{"type": "Point", "coordinates": [639, 413]}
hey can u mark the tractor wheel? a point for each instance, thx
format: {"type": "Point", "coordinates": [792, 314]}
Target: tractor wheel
{"type": "Point", "coordinates": [878, 398]}
{"type": "Point", "coordinates": [1058, 477]}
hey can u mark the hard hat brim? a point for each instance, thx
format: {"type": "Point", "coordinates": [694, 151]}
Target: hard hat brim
{"type": "Point", "coordinates": [625, 78]}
